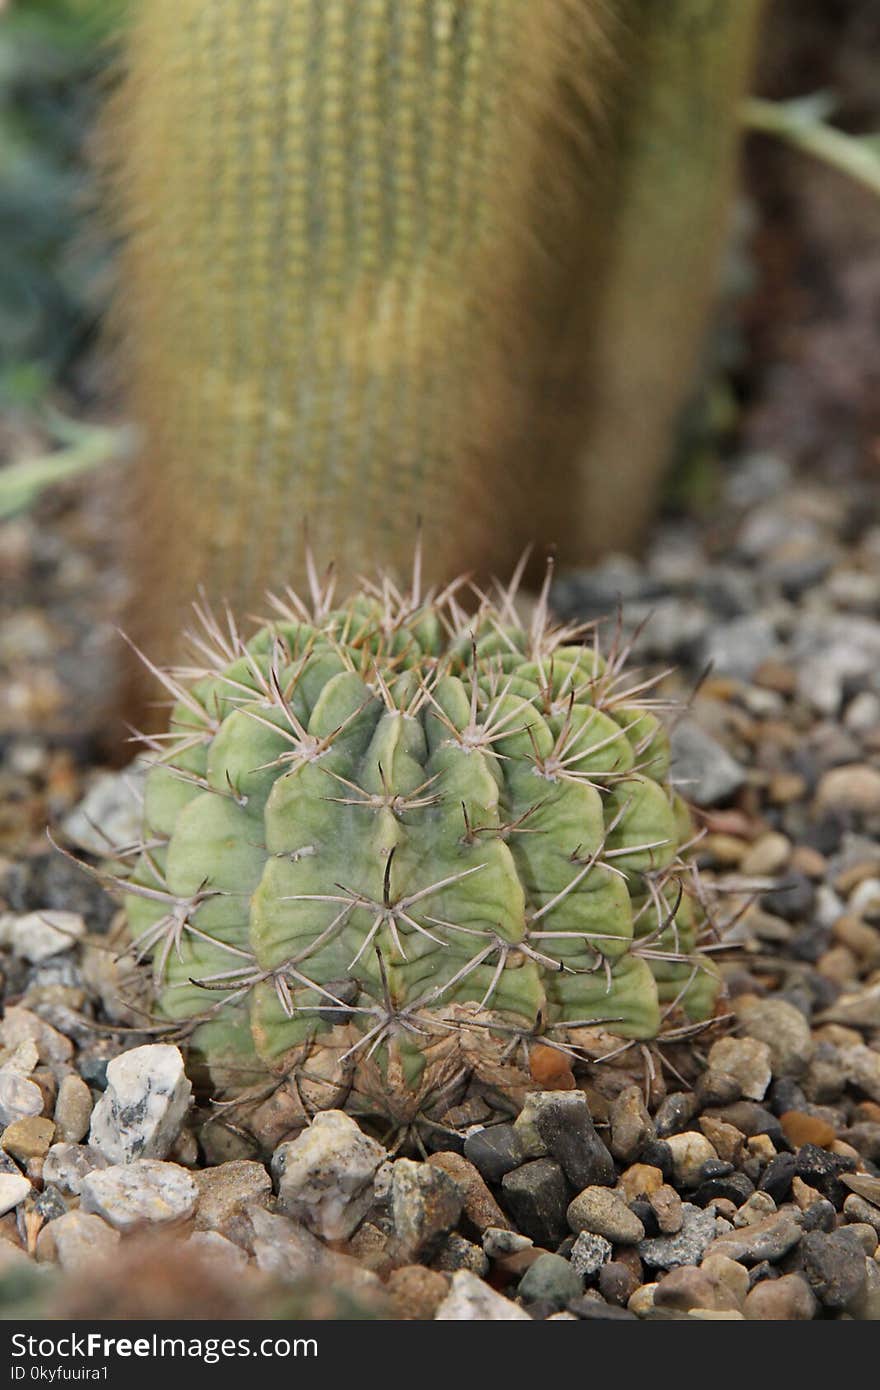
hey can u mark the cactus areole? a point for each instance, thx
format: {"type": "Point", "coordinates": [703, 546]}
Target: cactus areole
{"type": "Point", "coordinates": [387, 842]}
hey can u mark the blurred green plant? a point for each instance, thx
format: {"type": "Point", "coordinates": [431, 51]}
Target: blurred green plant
{"type": "Point", "coordinates": [51, 52]}
{"type": "Point", "coordinates": [81, 448]}
{"type": "Point", "coordinates": [805, 123]}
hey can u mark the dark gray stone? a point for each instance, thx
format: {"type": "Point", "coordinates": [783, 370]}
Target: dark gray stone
{"type": "Point", "coordinates": [564, 1123]}
{"type": "Point", "coordinates": [538, 1195]}
{"type": "Point", "coordinates": [495, 1151]}
{"type": "Point", "coordinates": [834, 1265]}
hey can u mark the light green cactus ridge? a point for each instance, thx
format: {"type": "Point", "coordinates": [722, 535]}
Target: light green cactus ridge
{"type": "Point", "coordinates": [388, 821]}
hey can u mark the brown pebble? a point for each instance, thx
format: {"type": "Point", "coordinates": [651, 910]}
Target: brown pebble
{"type": "Point", "coordinates": [864, 1184]}
{"type": "Point", "coordinates": [688, 1287]}
{"type": "Point", "coordinates": [839, 965]}
{"type": "Point", "coordinates": [551, 1069]}
{"type": "Point", "coordinates": [617, 1283]}
{"type": "Point", "coordinates": [640, 1180]}
{"type": "Point", "coordinates": [860, 938]}
{"type": "Point", "coordinates": [788, 1299]}
{"type": "Point", "coordinates": [667, 1207]}
{"type": "Point", "coordinates": [727, 851]}
{"type": "Point", "coordinates": [808, 861]}
{"type": "Point", "coordinates": [415, 1293]}
{"type": "Point", "coordinates": [516, 1264]}
{"type": "Point", "coordinates": [854, 787]}
{"type": "Point", "coordinates": [853, 874]}
{"type": "Point", "coordinates": [804, 1195]}
{"type": "Point", "coordinates": [776, 675]}
{"type": "Point", "coordinates": [726, 1140]}
{"type": "Point", "coordinates": [480, 1206]}
{"type": "Point", "coordinates": [30, 1137]}
{"type": "Point", "coordinates": [800, 1128]}
{"type": "Point", "coordinates": [768, 855]}
{"type": "Point", "coordinates": [785, 787]}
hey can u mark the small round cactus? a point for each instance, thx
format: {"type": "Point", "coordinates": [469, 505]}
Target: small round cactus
{"type": "Point", "coordinates": [388, 840]}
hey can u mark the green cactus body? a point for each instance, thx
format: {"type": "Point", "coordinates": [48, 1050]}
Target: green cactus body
{"type": "Point", "coordinates": [391, 831]}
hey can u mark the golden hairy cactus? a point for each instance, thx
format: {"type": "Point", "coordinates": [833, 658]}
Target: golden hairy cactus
{"type": "Point", "coordinates": [402, 258]}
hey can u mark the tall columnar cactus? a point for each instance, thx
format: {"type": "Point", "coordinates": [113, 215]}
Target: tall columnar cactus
{"type": "Point", "coordinates": [385, 841]}
{"type": "Point", "coordinates": [400, 258]}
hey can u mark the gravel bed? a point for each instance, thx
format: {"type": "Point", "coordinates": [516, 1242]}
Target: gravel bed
{"type": "Point", "coordinates": [731, 1175]}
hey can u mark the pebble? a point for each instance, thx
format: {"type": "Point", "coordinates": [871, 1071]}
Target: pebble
{"type": "Point", "coordinates": [143, 1108]}
{"type": "Point", "coordinates": [27, 1138]}
{"type": "Point", "coordinates": [563, 1124]}
{"type": "Point", "coordinates": [855, 1208]}
{"type": "Point", "coordinates": [822, 1170]}
{"type": "Point", "coordinates": [225, 1196]}
{"type": "Point", "coordinates": [325, 1175]}
{"type": "Point", "coordinates": [499, 1241]}
{"type": "Point", "coordinates": [865, 1233]}
{"type": "Point", "coordinates": [19, 1097]}
{"type": "Point", "coordinates": [729, 1273]}
{"type": "Point", "coordinates": [631, 1125]}
{"type": "Point", "coordinates": [767, 856]}
{"type": "Point", "coordinates": [458, 1253]}
{"type": "Point", "coordinates": [739, 647]}
{"type": "Point", "coordinates": [685, 1288]}
{"type": "Point", "coordinates": [776, 1177]}
{"type": "Point", "coordinates": [496, 1150]}
{"type": "Point", "coordinates": [834, 1267]}
{"type": "Point", "coordinates": [642, 1301]}
{"type": "Point", "coordinates": [787, 1299]}
{"type": "Point", "coordinates": [144, 1192]}
{"type": "Point", "coordinates": [14, 1187]}
{"type": "Point", "coordinates": [604, 1213]}
{"type": "Point", "coordinates": [480, 1206]}
{"type": "Point", "coordinates": [618, 1282]}
{"type": "Point", "coordinates": [765, 1240]}
{"type": "Point", "coordinates": [866, 1186]}
{"type": "Point", "coordinates": [674, 1113]}
{"type": "Point", "coordinates": [859, 1008]}
{"type": "Point", "coordinates": [854, 788]}
{"type": "Point", "coordinates": [745, 1059]}
{"type": "Point", "coordinates": [690, 1151]}
{"type": "Point", "coordinates": [67, 1165]}
{"type": "Point", "coordinates": [470, 1300]}
{"type": "Point", "coordinates": [702, 767]}
{"type": "Point", "coordinates": [686, 1246]}
{"type": "Point", "coordinates": [640, 1180]}
{"type": "Point", "coordinates": [37, 936]}
{"type": "Point", "coordinates": [757, 1207]}
{"type": "Point", "coordinates": [784, 1030]}
{"type": "Point", "coordinates": [415, 1293]}
{"type": "Point", "coordinates": [732, 1187]}
{"type": "Point", "coordinates": [77, 1241]}
{"type": "Point", "coordinates": [111, 812]}
{"type": "Point", "coordinates": [287, 1250]}
{"type": "Point", "coordinates": [537, 1196]}
{"type": "Point", "coordinates": [668, 1209]}
{"type": "Point", "coordinates": [589, 1253]}
{"type": "Point", "coordinates": [73, 1109]}
{"type": "Point", "coordinates": [716, 1088]}
{"type": "Point", "coordinates": [550, 1279]}
{"type": "Point", "coordinates": [726, 1140]}
{"type": "Point", "coordinates": [20, 1024]}
{"type": "Point", "coordinates": [426, 1204]}
{"type": "Point", "coordinates": [801, 1128]}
